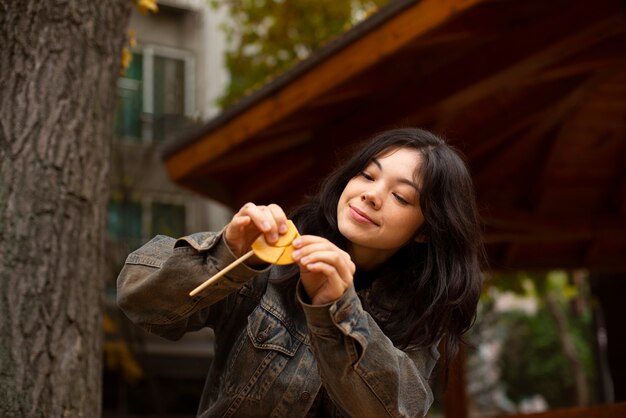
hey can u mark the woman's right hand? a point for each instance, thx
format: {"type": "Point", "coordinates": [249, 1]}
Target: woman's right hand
{"type": "Point", "coordinates": [250, 222]}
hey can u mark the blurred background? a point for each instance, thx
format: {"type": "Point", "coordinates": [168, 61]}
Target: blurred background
{"type": "Point", "coordinates": [532, 92]}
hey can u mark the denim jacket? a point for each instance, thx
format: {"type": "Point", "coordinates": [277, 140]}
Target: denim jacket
{"type": "Point", "coordinates": [275, 354]}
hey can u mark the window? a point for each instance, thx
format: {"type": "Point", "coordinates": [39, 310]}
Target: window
{"type": "Point", "coordinates": [136, 222]}
{"type": "Point", "coordinates": [155, 95]}
{"type": "Point", "coordinates": [168, 219]}
{"type": "Point", "coordinates": [124, 220]}
{"type": "Point", "coordinates": [130, 100]}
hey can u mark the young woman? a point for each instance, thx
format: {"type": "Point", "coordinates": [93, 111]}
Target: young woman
{"type": "Point", "coordinates": [388, 265]}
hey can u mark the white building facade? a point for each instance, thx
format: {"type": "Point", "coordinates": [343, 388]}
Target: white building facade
{"type": "Point", "coordinates": [176, 75]}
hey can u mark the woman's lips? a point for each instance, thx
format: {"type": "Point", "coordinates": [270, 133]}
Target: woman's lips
{"type": "Point", "coordinates": [360, 216]}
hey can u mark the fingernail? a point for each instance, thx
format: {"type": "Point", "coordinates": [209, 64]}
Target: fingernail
{"type": "Point", "coordinates": [273, 237]}
{"type": "Point", "coordinates": [305, 259]}
{"type": "Point", "coordinates": [283, 228]}
{"type": "Point", "coordinates": [266, 226]}
{"type": "Point", "coordinates": [296, 242]}
{"type": "Point", "coordinates": [296, 254]}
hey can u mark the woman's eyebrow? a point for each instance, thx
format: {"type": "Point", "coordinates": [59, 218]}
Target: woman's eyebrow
{"type": "Point", "coordinates": [401, 179]}
{"type": "Point", "coordinates": [410, 183]}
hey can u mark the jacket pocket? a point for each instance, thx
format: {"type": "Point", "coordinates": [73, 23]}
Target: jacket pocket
{"type": "Point", "coordinates": [261, 355]}
{"type": "Point", "coordinates": [153, 253]}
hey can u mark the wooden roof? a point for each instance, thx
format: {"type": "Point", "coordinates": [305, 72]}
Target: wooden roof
{"type": "Point", "coordinates": [532, 91]}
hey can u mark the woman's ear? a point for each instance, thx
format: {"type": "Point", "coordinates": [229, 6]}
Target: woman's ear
{"type": "Point", "coordinates": [421, 234]}
{"type": "Point", "coordinates": [421, 238]}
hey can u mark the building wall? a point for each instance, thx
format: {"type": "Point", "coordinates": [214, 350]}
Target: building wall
{"type": "Point", "coordinates": [189, 27]}
{"type": "Point", "coordinates": [186, 30]}
{"type": "Point", "coordinates": [194, 26]}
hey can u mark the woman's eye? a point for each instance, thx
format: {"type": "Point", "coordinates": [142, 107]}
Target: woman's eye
{"type": "Point", "coordinates": [400, 199]}
{"type": "Point", "coordinates": [366, 176]}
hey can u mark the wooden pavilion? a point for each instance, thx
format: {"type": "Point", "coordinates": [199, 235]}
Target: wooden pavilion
{"type": "Point", "coordinates": [533, 92]}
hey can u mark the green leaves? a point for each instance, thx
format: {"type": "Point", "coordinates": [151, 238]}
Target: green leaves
{"type": "Point", "coordinates": [269, 36]}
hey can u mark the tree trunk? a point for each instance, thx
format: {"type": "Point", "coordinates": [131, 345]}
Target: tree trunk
{"type": "Point", "coordinates": [578, 370]}
{"type": "Point", "coordinates": [59, 62]}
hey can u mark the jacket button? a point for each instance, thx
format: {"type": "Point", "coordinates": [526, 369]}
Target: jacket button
{"type": "Point", "coordinates": [305, 396]}
{"type": "Point", "coordinates": [262, 336]}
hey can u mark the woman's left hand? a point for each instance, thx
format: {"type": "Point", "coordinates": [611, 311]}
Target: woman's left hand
{"type": "Point", "coordinates": [326, 271]}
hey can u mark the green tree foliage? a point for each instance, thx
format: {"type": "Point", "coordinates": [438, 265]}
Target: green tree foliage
{"type": "Point", "coordinates": [533, 361]}
{"type": "Point", "coordinates": [268, 36]}
{"type": "Point", "coordinates": [546, 352]}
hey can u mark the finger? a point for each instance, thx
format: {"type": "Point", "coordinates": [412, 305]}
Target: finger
{"type": "Point", "coordinates": [340, 264]}
{"type": "Point", "coordinates": [263, 220]}
{"type": "Point", "coordinates": [328, 270]}
{"type": "Point", "coordinates": [279, 217]}
{"type": "Point", "coordinates": [305, 240]}
{"type": "Point", "coordinates": [332, 256]}
{"type": "Point", "coordinates": [309, 244]}
{"type": "Point", "coordinates": [236, 225]}
{"type": "Point", "coordinates": [250, 211]}
{"type": "Point", "coordinates": [244, 208]}
{"type": "Point", "coordinates": [271, 235]}
{"type": "Point", "coordinates": [239, 221]}
{"type": "Point", "coordinates": [334, 283]}
{"type": "Point", "coordinates": [308, 248]}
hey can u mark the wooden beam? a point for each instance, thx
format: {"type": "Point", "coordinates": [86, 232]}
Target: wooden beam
{"type": "Point", "coordinates": [517, 159]}
{"type": "Point", "coordinates": [516, 112]}
{"type": "Point", "coordinates": [518, 220]}
{"type": "Point", "coordinates": [590, 65]}
{"type": "Point", "coordinates": [592, 251]}
{"type": "Point", "coordinates": [265, 149]}
{"type": "Point", "coordinates": [455, 396]}
{"type": "Point", "coordinates": [566, 107]}
{"type": "Point", "coordinates": [515, 237]}
{"type": "Point", "coordinates": [506, 114]}
{"type": "Point", "coordinates": [502, 67]}
{"type": "Point", "coordinates": [598, 411]}
{"type": "Point", "coordinates": [341, 95]}
{"type": "Point", "coordinates": [384, 40]}
{"type": "Point", "coordinates": [575, 42]}
{"type": "Point", "coordinates": [618, 200]}
{"type": "Point", "coordinates": [277, 179]}
{"type": "Point", "coordinates": [510, 253]}
{"type": "Point", "coordinates": [538, 137]}
{"type": "Point", "coordinates": [513, 227]}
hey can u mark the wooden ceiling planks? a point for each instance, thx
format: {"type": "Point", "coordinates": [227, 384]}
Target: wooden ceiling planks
{"type": "Point", "coordinates": [329, 73]}
{"type": "Point", "coordinates": [533, 92]}
{"type": "Point", "coordinates": [588, 154]}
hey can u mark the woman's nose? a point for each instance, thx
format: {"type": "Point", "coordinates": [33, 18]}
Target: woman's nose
{"type": "Point", "coordinates": [371, 199]}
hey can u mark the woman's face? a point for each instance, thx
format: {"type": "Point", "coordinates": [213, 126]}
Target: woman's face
{"type": "Point", "coordinates": [379, 209]}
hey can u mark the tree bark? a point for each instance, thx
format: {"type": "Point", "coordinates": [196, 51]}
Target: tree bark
{"type": "Point", "coordinates": [578, 370]}
{"type": "Point", "coordinates": [59, 62]}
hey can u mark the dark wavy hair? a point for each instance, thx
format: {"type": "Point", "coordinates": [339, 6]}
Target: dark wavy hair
{"type": "Point", "coordinates": [435, 284]}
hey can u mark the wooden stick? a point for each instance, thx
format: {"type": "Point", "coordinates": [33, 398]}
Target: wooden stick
{"type": "Point", "coordinates": [219, 274]}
